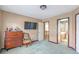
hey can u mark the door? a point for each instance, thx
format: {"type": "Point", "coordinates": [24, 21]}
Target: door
{"type": "Point", "coordinates": [77, 33]}
{"type": "Point", "coordinates": [40, 31]}
{"type": "Point", "coordinates": [46, 30]}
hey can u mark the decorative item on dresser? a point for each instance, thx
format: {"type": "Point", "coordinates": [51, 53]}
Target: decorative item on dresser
{"type": "Point", "coordinates": [13, 39]}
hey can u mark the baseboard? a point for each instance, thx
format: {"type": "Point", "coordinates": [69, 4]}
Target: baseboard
{"type": "Point", "coordinates": [1, 50]}
{"type": "Point", "coordinates": [68, 46]}
{"type": "Point", "coordinates": [53, 42]}
{"type": "Point", "coordinates": [34, 40]}
{"type": "Point", "coordinates": [72, 48]}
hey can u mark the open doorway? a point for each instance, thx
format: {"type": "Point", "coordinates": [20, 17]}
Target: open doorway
{"type": "Point", "coordinates": [46, 30]}
{"type": "Point", "coordinates": [63, 31]}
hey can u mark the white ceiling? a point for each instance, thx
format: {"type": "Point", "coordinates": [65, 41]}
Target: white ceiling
{"type": "Point", "coordinates": [35, 11]}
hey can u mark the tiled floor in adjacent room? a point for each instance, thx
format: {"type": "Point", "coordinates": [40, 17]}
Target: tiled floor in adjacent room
{"type": "Point", "coordinates": [42, 47]}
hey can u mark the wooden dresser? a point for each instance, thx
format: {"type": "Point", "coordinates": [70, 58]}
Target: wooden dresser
{"type": "Point", "coordinates": [13, 39]}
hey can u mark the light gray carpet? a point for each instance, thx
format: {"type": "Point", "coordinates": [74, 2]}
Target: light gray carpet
{"type": "Point", "coordinates": [42, 47]}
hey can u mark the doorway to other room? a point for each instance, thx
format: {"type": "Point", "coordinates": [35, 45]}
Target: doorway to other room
{"type": "Point", "coordinates": [46, 30]}
{"type": "Point", "coordinates": [63, 31]}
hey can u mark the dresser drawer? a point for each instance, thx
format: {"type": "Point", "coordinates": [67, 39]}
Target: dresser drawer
{"type": "Point", "coordinates": [11, 38]}
{"type": "Point", "coordinates": [11, 33]}
{"type": "Point", "coordinates": [20, 34]}
{"type": "Point", "coordinates": [10, 45]}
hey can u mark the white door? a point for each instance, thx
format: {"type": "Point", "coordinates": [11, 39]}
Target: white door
{"type": "Point", "coordinates": [40, 31]}
{"type": "Point", "coordinates": [77, 33]}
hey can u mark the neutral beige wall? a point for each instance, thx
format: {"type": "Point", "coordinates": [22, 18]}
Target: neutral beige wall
{"type": "Point", "coordinates": [53, 27]}
{"type": "Point", "coordinates": [10, 19]}
{"type": "Point", "coordinates": [0, 28]}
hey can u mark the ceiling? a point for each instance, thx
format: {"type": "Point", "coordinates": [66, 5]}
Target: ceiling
{"type": "Point", "coordinates": [35, 11]}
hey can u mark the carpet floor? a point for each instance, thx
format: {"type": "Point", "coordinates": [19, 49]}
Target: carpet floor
{"type": "Point", "coordinates": [42, 47]}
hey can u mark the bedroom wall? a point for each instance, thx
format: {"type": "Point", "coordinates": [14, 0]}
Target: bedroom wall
{"type": "Point", "coordinates": [53, 27]}
{"type": "Point", "coordinates": [11, 19]}
{"type": "Point", "coordinates": [0, 27]}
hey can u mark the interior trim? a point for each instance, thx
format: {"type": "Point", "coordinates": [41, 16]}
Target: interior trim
{"type": "Point", "coordinates": [53, 42]}
{"type": "Point", "coordinates": [75, 29]}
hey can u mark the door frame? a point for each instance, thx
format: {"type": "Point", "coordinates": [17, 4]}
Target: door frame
{"type": "Point", "coordinates": [75, 28]}
{"type": "Point", "coordinates": [68, 28]}
{"type": "Point", "coordinates": [44, 29]}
